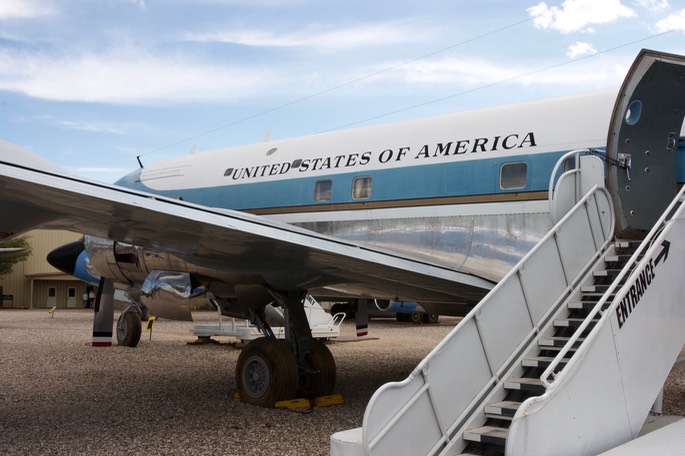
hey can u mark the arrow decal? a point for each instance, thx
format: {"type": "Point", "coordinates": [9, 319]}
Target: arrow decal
{"type": "Point", "coordinates": [664, 252]}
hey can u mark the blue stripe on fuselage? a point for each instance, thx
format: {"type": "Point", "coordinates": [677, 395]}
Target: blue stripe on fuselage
{"type": "Point", "coordinates": [464, 178]}
{"type": "Point", "coordinates": [476, 177]}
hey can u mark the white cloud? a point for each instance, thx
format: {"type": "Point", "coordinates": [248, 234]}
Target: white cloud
{"type": "Point", "coordinates": [378, 34]}
{"type": "Point", "coordinates": [580, 48]}
{"type": "Point", "coordinates": [139, 3]}
{"type": "Point", "coordinates": [653, 5]}
{"type": "Point", "coordinates": [578, 15]}
{"type": "Point", "coordinates": [93, 127]}
{"type": "Point", "coordinates": [127, 76]}
{"type": "Point", "coordinates": [96, 170]}
{"type": "Point", "coordinates": [674, 22]}
{"type": "Point", "coordinates": [24, 9]}
{"type": "Point", "coordinates": [481, 73]}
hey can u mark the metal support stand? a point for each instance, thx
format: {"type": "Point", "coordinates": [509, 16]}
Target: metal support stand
{"type": "Point", "coordinates": [297, 330]}
{"type": "Point", "coordinates": [103, 318]}
{"type": "Point", "coordinates": [657, 407]}
{"type": "Point", "coordinates": [361, 317]}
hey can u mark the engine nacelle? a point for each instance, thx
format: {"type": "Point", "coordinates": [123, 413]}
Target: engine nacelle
{"type": "Point", "coordinates": [130, 264]}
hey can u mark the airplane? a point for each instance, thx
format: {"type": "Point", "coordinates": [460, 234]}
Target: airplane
{"type": "Point", "coordinates": [434, 211]}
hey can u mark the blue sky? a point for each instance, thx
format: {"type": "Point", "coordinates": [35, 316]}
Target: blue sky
{"type": "Point", "coordinates": [91, 84]}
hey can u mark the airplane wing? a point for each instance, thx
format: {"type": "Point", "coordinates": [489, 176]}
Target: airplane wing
{"type": "Point", "coordinates": [35, 195]}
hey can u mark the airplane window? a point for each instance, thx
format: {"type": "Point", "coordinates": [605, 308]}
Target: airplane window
{"type": "Point", "coordinates": [323, 189]}
{"type": "Point", "coordinates": [513, 175]}
{"type": "Point", "coordinates": [361, 187]}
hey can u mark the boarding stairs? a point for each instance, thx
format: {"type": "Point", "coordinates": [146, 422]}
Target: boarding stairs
{"type": "Point", "coordinates": [566, 355]}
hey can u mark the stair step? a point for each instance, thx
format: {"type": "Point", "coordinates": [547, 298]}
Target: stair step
{"type": "Point", "coordinates": [487, 434]}
{"type": "Point", "coordinates": [606, 273]}
{"type": "Point", "coordinates": [504, 410]}
{"type": "Point", "coordinates": [550, 343]}
{"type": "Point", "coordinates": [629, 245]}
{"type": "Point", "coordinates": [542, 361]}
{"type": "Point", "coordinates": [617, 258]}
{"type": "Point", "coordinates": [570, 322]}
{"type": "Point", "coordinates": [595, 295]}
{"type": "Point", "coordinates": [533, 385]}
{"type": "Point", "coordinates": [594, 288]}
{"type": "Point", "coordinates": [586, 305]}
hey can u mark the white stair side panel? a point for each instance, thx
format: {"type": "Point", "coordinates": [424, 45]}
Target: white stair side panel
{"type": "Point", "coordinates": [576, 242]}
{"type": "Point", "coordinates": [652, 334]}
{"type": "Point", "coordinates": [452, 368]}
{"type": "Point", "coordinates": [420, 441]}
{"type": "Point", "coordinates": [504, 323]}
{"type": "Point", "coordinates": [547, 264]}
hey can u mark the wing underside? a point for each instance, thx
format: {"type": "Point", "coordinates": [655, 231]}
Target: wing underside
{"type": "Point", "coordinates": [279, 255]}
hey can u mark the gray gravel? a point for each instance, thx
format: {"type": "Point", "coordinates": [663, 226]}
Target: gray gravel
{"type": "Point", "coordinates": [59, 395]}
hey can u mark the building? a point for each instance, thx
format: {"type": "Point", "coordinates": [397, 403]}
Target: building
{"type": "Point", "coordinates": [35, 284]}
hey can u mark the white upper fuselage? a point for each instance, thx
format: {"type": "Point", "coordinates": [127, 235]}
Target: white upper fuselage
{"type": "Point", "coordinates": [541, 127]}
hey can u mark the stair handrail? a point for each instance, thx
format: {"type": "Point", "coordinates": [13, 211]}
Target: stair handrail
{"type": "Point", "coordinates": [549, 372]}
{"type": "Point", "coordinates": [554, 180]}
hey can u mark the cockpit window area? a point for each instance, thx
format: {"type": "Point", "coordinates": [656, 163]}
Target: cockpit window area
{"type": "Point", "coordinates": [513, 176]}
{"type": "Point", "coordinates": [361, 187]}
{"type": "Point", "coordinates": [323, 190]}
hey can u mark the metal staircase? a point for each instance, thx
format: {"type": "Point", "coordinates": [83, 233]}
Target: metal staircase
{"type": "Point", "coordinates": [571, 366]}
{"type": "Point", "coordinates": [492, 436]}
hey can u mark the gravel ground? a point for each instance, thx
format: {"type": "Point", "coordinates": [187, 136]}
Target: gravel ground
{"type": "Point", "coordinates": [59, 395]}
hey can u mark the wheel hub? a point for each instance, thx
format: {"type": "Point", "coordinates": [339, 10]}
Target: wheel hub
{"type": "Point", "coordinates": [255, 377]}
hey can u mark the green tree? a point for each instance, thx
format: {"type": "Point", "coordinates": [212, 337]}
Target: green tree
{"type": "Point", "coordinates": [9, 258]}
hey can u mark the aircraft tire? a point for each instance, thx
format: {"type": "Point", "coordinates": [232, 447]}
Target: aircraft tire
{"type": "Point", "coordinates": [266, 372]}
{"type": "Point", "coordinates": [342, 308]}
{"type": "Point", "coordinates": [128, 328]}
{"type": "Point", "coordinates": [322, 381]}
{"type": "Point", "coordinates": [431, 317]}
{"type": "Point", "coordinates": [416, 317]}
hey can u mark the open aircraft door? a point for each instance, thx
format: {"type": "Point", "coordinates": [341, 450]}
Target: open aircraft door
{"type": "Point", "coordinates": [641, 178]}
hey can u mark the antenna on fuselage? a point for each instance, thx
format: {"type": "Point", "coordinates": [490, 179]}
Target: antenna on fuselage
{"type": "Point", "coordinates": [140, 162]}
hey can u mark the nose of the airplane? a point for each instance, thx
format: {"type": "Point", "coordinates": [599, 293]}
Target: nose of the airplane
{"type": "Point", "coordinates": [66, 257]}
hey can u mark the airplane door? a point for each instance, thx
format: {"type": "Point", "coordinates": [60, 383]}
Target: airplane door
{"type": "Point", "coordinates": [71, 297]}
{"type": "Point", "coordinates": [52, 297]}
{"type": "Point", "coordinates": [643, 140]}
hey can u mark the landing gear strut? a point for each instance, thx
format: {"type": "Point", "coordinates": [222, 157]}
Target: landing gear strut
{"type": "Point", "coordinates": [270, 370]}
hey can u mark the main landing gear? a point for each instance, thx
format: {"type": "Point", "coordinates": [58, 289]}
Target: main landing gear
{"type": "Point", "coordinates": [271, 370]}
{"type": "Point", "coordinates": [129, 324]}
